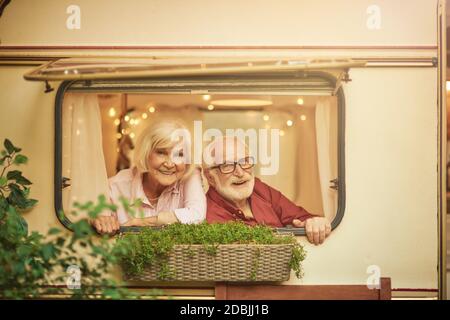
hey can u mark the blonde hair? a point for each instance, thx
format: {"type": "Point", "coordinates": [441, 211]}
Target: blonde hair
{"type": "Point", "coordinates": [162, 135]}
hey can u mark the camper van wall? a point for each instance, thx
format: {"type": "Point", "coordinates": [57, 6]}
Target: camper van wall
{"type": "Point", "coordinates": [392, 141]}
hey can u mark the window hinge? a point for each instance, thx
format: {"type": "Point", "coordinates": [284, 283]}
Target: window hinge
{"type": "Point", "coordinates": [343, 77]}
{"type": "Point", "coordinates": [65, 182]}
{"type": "Point", "coordinates": [334, 184]}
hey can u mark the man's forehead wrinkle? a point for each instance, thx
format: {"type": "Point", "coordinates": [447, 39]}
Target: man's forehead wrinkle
{"type": "Point", "coordinates": [228, 148]}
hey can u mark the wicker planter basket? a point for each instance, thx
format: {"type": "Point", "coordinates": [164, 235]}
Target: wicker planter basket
{"type": "Point", "coordinates": [235, 262]}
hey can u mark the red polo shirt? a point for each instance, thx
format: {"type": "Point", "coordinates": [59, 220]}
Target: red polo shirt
{"type": "Point", "coordinates": [268, 205]}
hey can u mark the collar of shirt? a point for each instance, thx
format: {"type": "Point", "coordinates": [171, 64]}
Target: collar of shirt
{"type": "Point", "coordinates": [137, 189]}
{"type": "Point", "coordinates": [228, 206]}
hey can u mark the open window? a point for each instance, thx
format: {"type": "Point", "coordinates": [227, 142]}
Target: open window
{"type": "Point", "coordinates": [103, 105]}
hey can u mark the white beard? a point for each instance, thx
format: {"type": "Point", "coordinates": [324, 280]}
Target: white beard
{"type": "Point", "coordinates": [235, 195]}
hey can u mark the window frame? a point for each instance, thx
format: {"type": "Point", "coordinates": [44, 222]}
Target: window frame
{"type": "Point", "coordinates": [88, 86]}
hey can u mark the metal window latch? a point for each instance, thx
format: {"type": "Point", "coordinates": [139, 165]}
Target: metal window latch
{"type": "Point", "coordinates": [48, 87]}
{"type": "Point", "coordinates": [334, 184]}
{"type": "Point", "coordinates": [65, 182]}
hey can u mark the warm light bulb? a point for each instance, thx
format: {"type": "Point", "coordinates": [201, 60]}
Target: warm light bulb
{"type": "Point", "coordinates": [281, 133]}
{"type": "Point", "coordinates": [112, 112]}
{"type": "Point", "coordinates": [289, 123]}
{"type": "Point", "coordinates": [210, 107]}
{"type": "Point", "coordinates": [448, 85]}
{"type": "Point", "coordinates": [266, 117]}
{"type": "Point", "coordinates": [303, 117]}
{"type": "Point", "coordinates": [151, 109]}
{"type": "Point", "coordinates": [118, 135]}
{"type": "Point", "coordinates": [206, 97]}
{"type": "Point", "coordinates": [117, 122]}
{"type": "Point", "coordinates": [144, 116]}
{"type": "Point", "coordinates": [300, 101]}
{"type": "Point", "coordinates": [127, 118]}
{"type": "Point", "coordinates": [132, 135]}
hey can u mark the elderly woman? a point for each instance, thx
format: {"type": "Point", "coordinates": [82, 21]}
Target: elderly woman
{"type": "Point", "coordinates": [168, 186]}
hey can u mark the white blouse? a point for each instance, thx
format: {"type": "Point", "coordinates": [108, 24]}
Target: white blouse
{"type": "Point", "coordinates": [185, 198]}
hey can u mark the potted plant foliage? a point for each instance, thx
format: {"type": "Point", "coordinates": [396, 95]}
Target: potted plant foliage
{"type": "Point", "coordinates": [211, 252]}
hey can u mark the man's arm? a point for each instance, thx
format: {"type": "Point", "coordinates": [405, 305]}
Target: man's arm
{"type": "Point", "coordinates": [286, 210]}
{"type": "Point", "coordinates": [317, 228]}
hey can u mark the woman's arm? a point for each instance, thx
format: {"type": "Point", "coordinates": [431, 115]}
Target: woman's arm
{"type": "Point", "coordinates": [193, 209]}
{"type": "Point", "coordinates": [142, 222]}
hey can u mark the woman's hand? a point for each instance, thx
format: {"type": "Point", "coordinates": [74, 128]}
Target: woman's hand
{"type": "Point", "coordinates": [166, 217]}
{"type": "Point", "coordinates": [106, 224]}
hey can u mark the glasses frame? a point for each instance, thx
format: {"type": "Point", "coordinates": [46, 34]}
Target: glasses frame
{"type": "Point", "coordinates": [235, 164]}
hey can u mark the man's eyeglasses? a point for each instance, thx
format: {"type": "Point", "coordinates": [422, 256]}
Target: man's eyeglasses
{"type": "Point", "coordinates": [245, 164]}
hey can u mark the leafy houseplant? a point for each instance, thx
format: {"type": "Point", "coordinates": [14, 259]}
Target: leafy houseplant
{"type": "Point", "coordinates": [35, 265]}
{"type": "Point", "coordinates": [177, 247]}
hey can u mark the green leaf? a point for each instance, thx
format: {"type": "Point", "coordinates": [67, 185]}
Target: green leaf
{"type": "Point", "coordinates": [17, 176]}
{"type": "Point", "coordinates": [3, 181]}
{"type": "Point", "coordinates": [8, 146]}
{"type": "Point", "coordinates": [16, 197]}
{"type": "Point", "coordinates": [16, 225]}
{"type": "Point", "coordinates": [13, 174]}
{"type": "Point", "coordinates": [20, 159]}
{"type": "Point", "coordinates": [31, 203]}
{"type": "Point", "coordinates": [54, 231]}
{"type": "Point", "coordinates": [48, 251]}
{"type": "Point", "coordinates": [23, 181]}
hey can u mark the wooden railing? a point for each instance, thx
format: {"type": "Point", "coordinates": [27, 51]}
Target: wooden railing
{"type": "Point", "coordinates": [229, 291]}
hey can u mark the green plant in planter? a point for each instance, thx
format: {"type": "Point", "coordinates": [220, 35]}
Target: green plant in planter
{"type": "Point", "coordinates": [31, 263]}
{"type": "Point", "coordinates": [153, 247]}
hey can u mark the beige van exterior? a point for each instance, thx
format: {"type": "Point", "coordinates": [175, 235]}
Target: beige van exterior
{"type": "Point", "coordinates": [394, 107]}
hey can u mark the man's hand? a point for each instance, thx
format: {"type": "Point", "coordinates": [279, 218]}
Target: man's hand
{"type": "Point", "coordinates": [317, 228]}
{"type": "Point", "coordinates": [106, 224]}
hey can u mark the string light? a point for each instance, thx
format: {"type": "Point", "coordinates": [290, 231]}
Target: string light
{"type": "Point", "coordinates": [281, 133]}
{"type": "Point", "coordinates": [112, 112]}
{"type": "Point", "coordinates": [300, 101]}
{"type": "Point", "coordinates": [303, 117]}
{"type": "Point", "coordinates": [117, 122]}
{"type": "Point", "coordinates": [132, 135]}
{"type": "Point", "coordinates": [210, 107]}
{"type": "Point", "coordinates": [144, 115]}
{"type": "Point", "coordinates": [127, 118]}
{"type": "Point", "coordinates": [266, 117]}
{"type": "Point", "coordinates": [206, 97]}
{"type": "Point", "coordinates": [151, 109]}
{"type": "Point", "coordinates": [118, 135]}
{"type": "Point", "coordinates": [289, 123]}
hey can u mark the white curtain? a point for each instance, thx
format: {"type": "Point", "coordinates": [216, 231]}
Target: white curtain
{"type": "Point", "coordinates": [83, 159]}
{"type": "Point", "coordinates": [326, 136]}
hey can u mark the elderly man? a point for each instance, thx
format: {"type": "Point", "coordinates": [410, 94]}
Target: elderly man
{"type": "Point", "coordinates": [235, 193]}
